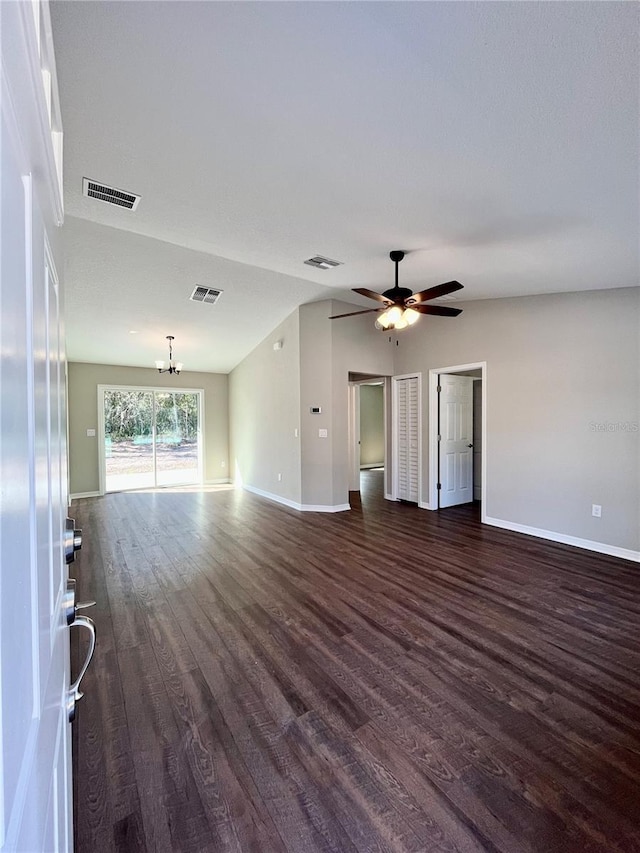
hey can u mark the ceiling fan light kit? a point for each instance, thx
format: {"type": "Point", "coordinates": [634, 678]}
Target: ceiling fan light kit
{"type": "Point", "coordinates": [174, 366]}
{"type": "Point", "coordinates": [402, 308]}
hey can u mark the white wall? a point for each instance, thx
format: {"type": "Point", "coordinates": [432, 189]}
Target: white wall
{"type": "Point", "coordinates": [560, 368]}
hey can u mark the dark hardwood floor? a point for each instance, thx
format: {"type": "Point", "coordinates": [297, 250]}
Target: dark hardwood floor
{"type": "Point", "coordinates": [386, 679]}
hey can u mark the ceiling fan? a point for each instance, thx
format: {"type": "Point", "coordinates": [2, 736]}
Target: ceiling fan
{"type": "Point", "coordinates": [401, 307]}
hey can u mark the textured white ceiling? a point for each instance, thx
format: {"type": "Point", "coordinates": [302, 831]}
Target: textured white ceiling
{"type": "Point", "coordinates": [117, 282]}
{"type": "Point", "coordinates": [498, 142]}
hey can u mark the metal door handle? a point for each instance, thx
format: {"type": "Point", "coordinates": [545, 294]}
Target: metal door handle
{"type": "Point", "coordinates": [469, 445]}
{"type": "Point", "coordinates": [74, 694]}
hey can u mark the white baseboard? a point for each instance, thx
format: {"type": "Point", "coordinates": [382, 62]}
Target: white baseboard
{"type": "Point", "coordinates": [588, 544]}
{"type": "Point", "coordinates": [218, 481]}
{"type": "Point", "coordinates": [294, 504]}
{"type": "Point", "coordinates": [324, 507]}
{"type": "Point", "coordinates": [77, 495]}
{"type": "Point", "coordinates": [425, 505]}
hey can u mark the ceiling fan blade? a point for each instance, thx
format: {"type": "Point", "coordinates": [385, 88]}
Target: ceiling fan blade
{"type": "Point", "coordinates": [433, 292]}
{"type": "Point", "coordinates": [353, 313]}
{"type": "Point", "coordinates": [363, 291]}
{"type": "Point", "coordinates": [440, 310]}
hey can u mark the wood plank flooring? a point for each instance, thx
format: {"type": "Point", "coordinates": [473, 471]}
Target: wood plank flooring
{"type": "Point", "coordinates": [387, 679]}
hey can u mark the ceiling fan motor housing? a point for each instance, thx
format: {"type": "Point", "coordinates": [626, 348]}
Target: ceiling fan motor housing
{"type": "Point", "coordinates": [398, 294]}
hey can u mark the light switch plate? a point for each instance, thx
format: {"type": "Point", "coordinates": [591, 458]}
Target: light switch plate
{"type": "Point", "coordinates": [323, 433]}
{"type": "Point", "coordinates": [91, 433]}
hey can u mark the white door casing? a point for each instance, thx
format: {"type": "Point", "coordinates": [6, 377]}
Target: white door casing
{"type": "Point", "coordinates": [407, 437]}
{"type": "Point", "coordinates": [35, 744]}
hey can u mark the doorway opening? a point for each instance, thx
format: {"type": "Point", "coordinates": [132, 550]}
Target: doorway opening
{"type": "Point", "coordinates": [149, 437]}
{"type": "Point", "coordinates": [368, 413]}
{"type": "Point", "coordinates": [457, 436]}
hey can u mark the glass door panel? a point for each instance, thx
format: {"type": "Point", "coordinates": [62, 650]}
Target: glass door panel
{"type": "Point", "coordinates": [176, 438]}
{"type": "Point", "coordinates": [128, 440]}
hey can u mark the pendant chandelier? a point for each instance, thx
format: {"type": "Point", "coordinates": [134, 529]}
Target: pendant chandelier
{"type": "Point", "coordinates": [174, 366]}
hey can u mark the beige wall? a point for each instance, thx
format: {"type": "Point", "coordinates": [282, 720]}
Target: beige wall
{"type": "Point", "coordinates": [83, 414]}
{"type": "Point", "coordinates": [371, 425]}
{"type": "Point", "coordinates": [358, 347]}
{"type": "Point", "coordinates": [316, 390]}
{"type": "Point", "coordinates": [272, 392]}
{"type": "Point", "coordinates": [264, 406]}
{"type": "Point", "coordinates": [329, 351]}
{"type": "Point", "coordinates": [558, 366]}
{"type": "Point", "coordinates": [562, 390]}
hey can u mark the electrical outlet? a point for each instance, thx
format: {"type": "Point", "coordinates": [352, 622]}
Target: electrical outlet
{"type": "Point", "coordinates": [323, 433]}
{"type": "Point", "coordinates": [279, 478]}
{"type": "Point", "coordinates": [222, 464]}
{"type": "Point", "coordinates": [596, 510]}
{"type": "Point", "coordinates": [295, 432]}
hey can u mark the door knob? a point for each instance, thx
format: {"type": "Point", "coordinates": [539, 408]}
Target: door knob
{"type": "Point", "coordinates": [469, 445]}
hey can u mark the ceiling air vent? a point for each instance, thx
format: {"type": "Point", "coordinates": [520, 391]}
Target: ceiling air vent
{"type": "Point", "coordinates": [322, 263]}
{"type": "Point", "coordinates": [205, 294]}
{"type": "Point", "coordinates": [121, 198]}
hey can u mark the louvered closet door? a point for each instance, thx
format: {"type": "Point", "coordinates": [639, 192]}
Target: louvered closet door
{"type": "Point", "coordinates": [407, 438]}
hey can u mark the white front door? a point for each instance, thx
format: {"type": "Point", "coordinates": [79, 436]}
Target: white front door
{"type": "Point", "coordinates": [407, 437]}
{"type": "Point", "coordinates": [456, 439]}
{"type": "Point", "coordinates": [35, 756]}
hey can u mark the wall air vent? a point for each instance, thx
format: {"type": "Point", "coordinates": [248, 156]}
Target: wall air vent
{"type": "Point", "coordinates": [111, 195]}
{"type": "Point", "coordinates": [205, 294]}
{"type": "Point", "coordinates": [322, 263]}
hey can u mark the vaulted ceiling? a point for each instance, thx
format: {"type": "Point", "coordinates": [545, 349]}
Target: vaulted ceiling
{"type": "Point", "coordinates": [497, 143]}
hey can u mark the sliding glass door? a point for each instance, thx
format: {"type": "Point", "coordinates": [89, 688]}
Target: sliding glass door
{"type": "Point", "coordinates": [176, 438]}
{"type": "Point", "coordinates": [151, 438]}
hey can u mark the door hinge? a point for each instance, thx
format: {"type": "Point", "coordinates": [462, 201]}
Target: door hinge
{"type": "Point", "coordinates": [438, 388]}
{"type": "Point", "coordinates": [439, 438]}
{"type": "Point", "coordinates": [438, 485]}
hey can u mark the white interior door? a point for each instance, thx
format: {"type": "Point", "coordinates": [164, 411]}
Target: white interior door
{"type": "Point", "coordinates": [456, 439]}
{"type": "Point", "coordinates": [407, 437]}
{"type": "Point", "coordinates": [35, 743]}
